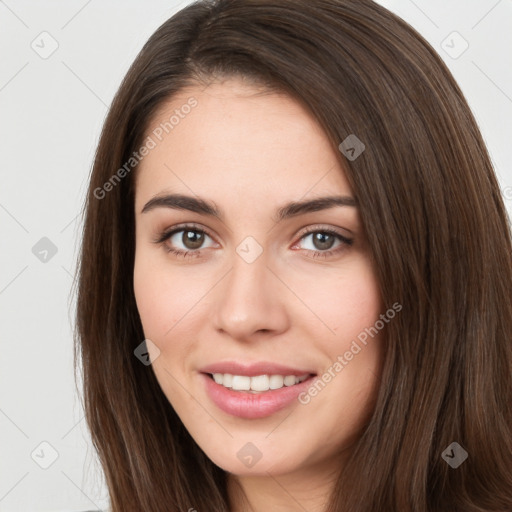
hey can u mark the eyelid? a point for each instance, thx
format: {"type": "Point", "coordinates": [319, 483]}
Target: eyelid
{"type": "Point", "coordinates": [314, 228]}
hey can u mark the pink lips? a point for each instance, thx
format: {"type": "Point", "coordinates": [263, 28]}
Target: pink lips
{"type": "Point", "coordinates": [253, 405]}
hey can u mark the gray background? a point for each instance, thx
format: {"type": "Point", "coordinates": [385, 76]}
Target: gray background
{"type": "Point", "coordinates": [53, 107]}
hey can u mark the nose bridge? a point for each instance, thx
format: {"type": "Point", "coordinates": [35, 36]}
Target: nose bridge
{"type": "Point", "coordinates": [250, 299]}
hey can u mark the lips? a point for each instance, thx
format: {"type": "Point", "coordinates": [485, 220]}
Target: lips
{"type": "Point", "coordinates": [243, 404]}
{"type": "Point", "coordinates": [246, 404]}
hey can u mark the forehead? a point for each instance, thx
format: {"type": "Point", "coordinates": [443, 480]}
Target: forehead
{"type": "Point", "coordinates": [237, 142]}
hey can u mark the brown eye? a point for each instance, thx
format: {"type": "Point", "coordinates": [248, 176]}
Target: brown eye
{"type": "Point", "coordinates": [323, 241]}
{"type": "Point", "coordinates": [192, 239]}
{"type": "Point", "coordinates": [185, 240]}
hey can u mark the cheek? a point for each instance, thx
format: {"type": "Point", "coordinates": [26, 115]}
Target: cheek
{"type": "Point", "coordinates": [170, 302]}
{"type": "Point", "coordinates": [159, 296]}
{"type": "Point", "coordinates": [345, 301]}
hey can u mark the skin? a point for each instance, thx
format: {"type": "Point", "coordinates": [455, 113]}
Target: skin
{"type": "Point", "coordinates": [250, 153]}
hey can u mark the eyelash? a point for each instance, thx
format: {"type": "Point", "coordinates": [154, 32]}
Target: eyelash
{"type": "Point", "coordinates": [166, 235]}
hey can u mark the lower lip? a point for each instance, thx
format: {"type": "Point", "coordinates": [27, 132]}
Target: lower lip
{"type": "Point", "coordinates": [253, 405]}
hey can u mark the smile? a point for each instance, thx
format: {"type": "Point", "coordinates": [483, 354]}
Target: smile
{"type": "Point", "coordinates": [257, 403]}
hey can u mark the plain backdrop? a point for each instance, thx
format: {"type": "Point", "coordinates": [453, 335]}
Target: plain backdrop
{"type": "Point", "coordinates": [62, 62]}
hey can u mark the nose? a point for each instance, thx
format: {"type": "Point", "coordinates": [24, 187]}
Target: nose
{"type": "Point", "coordinates": [250, 300]}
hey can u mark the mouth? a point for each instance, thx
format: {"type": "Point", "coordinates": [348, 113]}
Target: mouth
{"type": "Point", "coordinates": [255, 396]}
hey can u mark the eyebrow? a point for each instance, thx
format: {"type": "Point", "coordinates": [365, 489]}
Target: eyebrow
{"type": "Point", "coordinates": [203, 207]}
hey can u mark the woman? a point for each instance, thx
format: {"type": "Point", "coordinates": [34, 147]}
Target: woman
{"type": "Point", "coordinates": [294, 290]}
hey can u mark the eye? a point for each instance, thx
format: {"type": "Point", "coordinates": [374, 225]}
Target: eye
{"type": "Point", "coordinates": [190, 237]}
{"type": "Point", "coordinates": [322, 240]}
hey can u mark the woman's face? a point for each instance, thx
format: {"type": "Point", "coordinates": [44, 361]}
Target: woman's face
{"type": "Point", "coordinates": [267, 288]}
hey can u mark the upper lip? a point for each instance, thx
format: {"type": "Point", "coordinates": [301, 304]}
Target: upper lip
{"type": "Point", "coordinates": [253, 369]}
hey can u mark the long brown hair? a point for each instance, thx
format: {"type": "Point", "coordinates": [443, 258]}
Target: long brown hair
{"type": "Point", "coordinates": [436, 226]}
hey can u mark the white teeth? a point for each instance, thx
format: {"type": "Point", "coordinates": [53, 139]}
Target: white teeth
{"type": "Point", "coordinates": [226, 380]}
{"type": "Point", "coordinates": [276, 381]}
{"type": "Point", "coordinates": [241, 383]}
{"type": "Point", "coordinates": [258, 383]}
{"type": "Point", "coordinates": [289, 380]}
